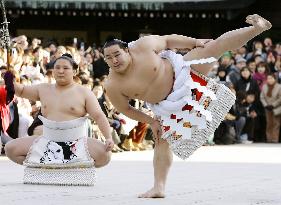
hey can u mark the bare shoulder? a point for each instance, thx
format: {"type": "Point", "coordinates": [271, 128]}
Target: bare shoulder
{"type": "Point", "coordinates": [145, 42]}
{"type": "Point", "coordinates": [83, 90]}
{"type": "Point", "coordinates": [44, 86]}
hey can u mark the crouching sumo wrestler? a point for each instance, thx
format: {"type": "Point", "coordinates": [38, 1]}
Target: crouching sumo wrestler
{"type": "Point", "coordinates": [63, 154]}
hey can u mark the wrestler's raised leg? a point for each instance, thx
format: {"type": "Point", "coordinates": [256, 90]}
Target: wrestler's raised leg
{"type": "Point", "coordinates": [228, 41]}
{"type": "Point", "coordinates": [98, 153]}
{"type": "Point", "coordinates": [162, 162]}
{"type": "Point", "coordinates": [17, 149]}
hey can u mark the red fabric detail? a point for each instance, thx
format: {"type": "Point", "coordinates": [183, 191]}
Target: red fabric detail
{"type": "Point", "coordinates": [166, 128]}
{"type": "Point", "coordinates": [173, 116]}
{"type": "Point", "coordinates": [198, 94]}
{"type": "Point", "coordinates": [178, 120]}
{"type": "Point", "coordinates": [187, 107]}
{"type": "Point", "coordinates": [4, 109]}
{"type": "Point", "coordinates": [199, 80]}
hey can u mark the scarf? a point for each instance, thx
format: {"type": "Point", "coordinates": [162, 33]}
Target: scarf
{"type": "Point", "coordinates": [260, 78]}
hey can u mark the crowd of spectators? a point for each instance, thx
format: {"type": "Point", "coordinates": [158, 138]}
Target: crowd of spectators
{"type": "Point", "coordinates": [253, 72]}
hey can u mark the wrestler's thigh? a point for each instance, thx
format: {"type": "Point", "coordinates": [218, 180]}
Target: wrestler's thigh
{"type": "Point", "coordinates": [208, 51]}
{"type": "Point", "coordinates": [20, 146]}
{"type": "Point", "coordinates": [97, 151]}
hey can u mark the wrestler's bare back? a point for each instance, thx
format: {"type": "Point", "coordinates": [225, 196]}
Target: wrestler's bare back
{"type": "Point", "coordinates": [61, 104]}
{"type": "Point", "coordinates": [150, 77]}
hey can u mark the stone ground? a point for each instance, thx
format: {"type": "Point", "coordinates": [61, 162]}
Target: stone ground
{"type": "Point", "coordinates": [213, 175]}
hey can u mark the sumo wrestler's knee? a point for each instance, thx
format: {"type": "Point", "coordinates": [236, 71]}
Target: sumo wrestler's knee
{"type": "Point", "coordinates": [103, 160]}
{"type": "Point", "coordinates": [10, 149]}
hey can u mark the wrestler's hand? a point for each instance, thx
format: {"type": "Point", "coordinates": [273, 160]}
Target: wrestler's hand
{"type": "Point", "coordinates": [202, 42]}
{"type": "Point", "coordinates": [157, 131]}
{"type": "Point", "coordinates": [109, 144]}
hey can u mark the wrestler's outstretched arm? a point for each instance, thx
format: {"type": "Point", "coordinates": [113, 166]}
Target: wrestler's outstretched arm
{"type": "Point", "coordinates": [30, 92]}
{"type": "Point", "coordinates": [94, 110]}
{"type": "Point", "coordinates": [121, 103]}
{"type": "Point", "coordinates": [173, 41]}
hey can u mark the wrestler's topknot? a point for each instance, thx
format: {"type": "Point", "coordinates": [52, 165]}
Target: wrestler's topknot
{"type": "Point", "coordinates": [68, 57]}
{"type": "Point", "coordinates": [122, 44]}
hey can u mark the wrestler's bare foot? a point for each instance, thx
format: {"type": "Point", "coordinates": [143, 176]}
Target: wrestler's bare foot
{"type": "Point", "coordinates": [153, 193]}
{"type": "Point", "coordinates": [259, 22]}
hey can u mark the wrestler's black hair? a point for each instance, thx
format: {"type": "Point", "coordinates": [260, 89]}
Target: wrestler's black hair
{"type": "Point", "coordinates": [68, 57]}
{"type": "Point", "coordinates": [122, 44]}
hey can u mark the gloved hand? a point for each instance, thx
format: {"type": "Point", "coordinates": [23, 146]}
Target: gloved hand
{"type": "Point", "coordinates": [9, 82]}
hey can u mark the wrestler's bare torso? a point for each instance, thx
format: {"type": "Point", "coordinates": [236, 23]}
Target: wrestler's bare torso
{"type": "Point", "coordinates": [149, 77]}
{"type": "Point", "coordinates": [61, 104]}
